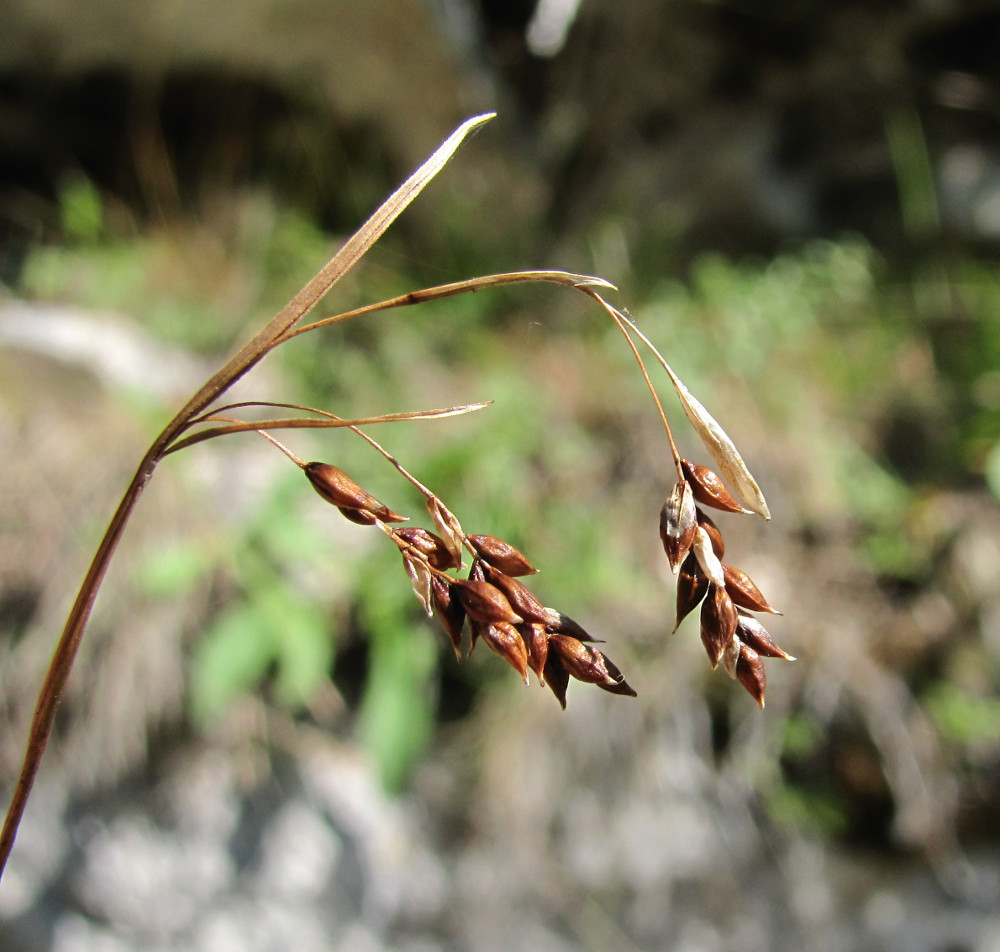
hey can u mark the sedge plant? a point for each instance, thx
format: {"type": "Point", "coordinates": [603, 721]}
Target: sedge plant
{"type": "Point", "coordinates": [487, 597]}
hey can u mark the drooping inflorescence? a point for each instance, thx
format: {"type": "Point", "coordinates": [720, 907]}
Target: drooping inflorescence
{"type": "Point", "coordinates": [693, 543]}
{"type": "Point", "coordinates": [500, 609]}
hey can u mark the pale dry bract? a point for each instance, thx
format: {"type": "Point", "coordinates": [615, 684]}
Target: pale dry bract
{"type": "Point", "coordinates": [500, 610]}
{"type": "Point", "coordinates": [722, 449]}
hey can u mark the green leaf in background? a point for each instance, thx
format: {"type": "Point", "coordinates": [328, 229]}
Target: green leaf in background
{"type": "Point", "coordinates": [81, 210]}
{"type": "Point", "coordinates": [302, 646]}
{"type": "Point", "coordinates": [962, 717]}
{"type": "Point", "coordinates": [397, 710]}
{"type": "Point", "coordinates": [275, 632]}
{"type": "Point", "coordinates": [231, 657]}
{"type": "Point", "coordinates": [174, 567]}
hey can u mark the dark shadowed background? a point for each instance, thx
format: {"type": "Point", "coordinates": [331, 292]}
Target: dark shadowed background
{"type": "Point", "coordinates": [265, 745]}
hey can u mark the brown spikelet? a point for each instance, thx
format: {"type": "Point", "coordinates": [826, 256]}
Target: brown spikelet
{"type": "Point", "coordinates": [537, 639]}
{"type": "Point", "coordinates": [692, 584]}
{"type": "Point", "coordinates": [556, 677]}
{"type": "Point", "coordinates": [430, 546]}
{"type": "Point", "coordinates": [588, 664]}
{"type": "Point", "coordinates": [709, 489]}
{"type": "Point", "coordinates": [520, 597]}
{"type": "Point", "coordinates": [678, 523]}
{"type": "Point", "coordinates": [501, 555]}
{"type": "Point", "coordinates": [484, 603]}
{"type": "Point", "coordinates": [750, 673]}
{"type": "Point", "coordinates": [718, 623]}
{"type": "Point", "coordinates": [753, 634]}
{"type": "Point", "coordinates": [449, 610]}
{"type": "Point", "coordinates": [336, 487]}
{"type": "Point", "coordinates": [506, 641]}
{"type": "Point", "coordinates": [744, 592]}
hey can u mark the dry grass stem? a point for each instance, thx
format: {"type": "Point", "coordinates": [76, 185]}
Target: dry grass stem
{"type": "Point", "coordinates": [488, 599]}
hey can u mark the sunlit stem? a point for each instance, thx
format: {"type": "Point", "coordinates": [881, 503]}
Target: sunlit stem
{"type": "Point", "coordinates": [214, 418]}
{"type": "Point", "coordinates": [301, 463]}
{"type": "Point", "coordinates": [623, 323]}
{"type": "Point", "coordinates": [470, 285]}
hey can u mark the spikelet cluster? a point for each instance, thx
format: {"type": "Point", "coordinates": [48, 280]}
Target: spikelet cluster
{"type": "Point", "coordinates": [728, 597]}
{"type": "Point", "coordinates": [489, 600]}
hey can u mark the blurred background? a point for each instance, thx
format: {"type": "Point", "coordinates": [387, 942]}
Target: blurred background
{"type": "Point", "coordinates": [264, 744]}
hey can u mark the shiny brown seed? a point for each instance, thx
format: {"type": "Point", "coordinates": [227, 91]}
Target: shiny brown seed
{"type": "Point", "coordinates": [709, 489]}
{"type": "Point", "coordinates": [430, 546]}
{"type": "Point", "coordinates": [520, 597]}
{"type": "Point", "coordinates": [336, 487]}
{"type": "Point", "coordinates": [744, 592]}
{"type": "Point", "coordinates": [588, 664]}
{"type": "Point", "coordinates": [678, 523]}
{"type": "Point", "coordinates": [752, 633]}
{"type": "Point", "coordinates": [718, 623]}
{"type": "Point", "coordinates": [361, 517]}
{"type": "Point", "coordinates": [537, 639]}
{"type": "Point", "coordinates": [483, 602]}
{"type": "Point", "coordinates": [556, 677]}
{"type": "Point", "coordinates": [506, 641]}
{"type": "Point", "coordinates": [449, 610]}
{"type": "Point", "coordinates": [692, 584]}
{"type": "Point", "coordinates": [501, 555]}
{"type": "Point", "coordinates": [750, 673]}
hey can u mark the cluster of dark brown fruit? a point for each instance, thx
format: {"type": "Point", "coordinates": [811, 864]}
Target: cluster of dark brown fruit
{"type": "Point", "coordinates": [731, 634]}
{"type": "Point", "coordinates": [500, 609]}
